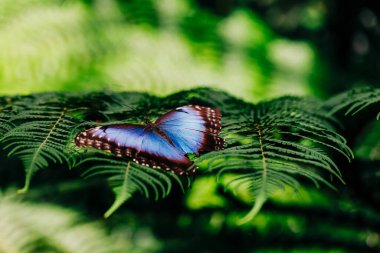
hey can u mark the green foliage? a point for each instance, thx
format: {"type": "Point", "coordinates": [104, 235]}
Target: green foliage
{"type": "Point", "coordinates": [361, 104]}
{"type": "Point", "coordinates": [30, 227]}
{"type": "Point", "coordinates": [126, 178]}
{"type": "Point", "coordinates": [51, 45]}
{"type": "Point", "coordinates": [354, 101]}
{"type": "Point", "coordinates": [40, 133]}
{"type": "Point", "coordinates": [269, 145]}
{"type": "Point", "coordinates": [277, 151]}
{"type": "Point", "coordinates": [276, 142]}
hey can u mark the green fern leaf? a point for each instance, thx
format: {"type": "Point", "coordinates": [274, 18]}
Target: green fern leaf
{"type": "Point", "coordinates": [11, 106]}
{"type": "Point", "coordinates": [272, 144]}
{"type": "Point", "coordinates": [354, 101]}
{"type": "Point", "coordinates": [126, 178]}
{"type": "Point", "coordinates": [5, 126]}
{"type": "Point", "coordinates": [39, 138]}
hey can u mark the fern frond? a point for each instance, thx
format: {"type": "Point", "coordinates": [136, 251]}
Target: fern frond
{"type": "Point", "coordinates": [40, 137]}
{"type": "Point", "coordinates": [126, 178]}
{"type": "Point", "coordinates": [276, 142]}
{"type": "Point", "coordinates": [354, 101]}
{"type": "Point", "coordinates": [11, 106]}
{"type": "Point", "coordinates": [269, 145]}
{"type": "Point", "coordinates": [5, 126]}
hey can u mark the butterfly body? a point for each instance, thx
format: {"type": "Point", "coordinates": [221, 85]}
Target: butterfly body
{"type": "Point", "coordinates": [163, 144]}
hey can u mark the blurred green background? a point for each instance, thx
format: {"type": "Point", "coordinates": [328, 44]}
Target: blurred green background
{"type": "Point", "coordinates": [253, 49]}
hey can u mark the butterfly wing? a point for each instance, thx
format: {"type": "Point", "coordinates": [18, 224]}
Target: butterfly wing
{"type": "Point", "coordinates": [145, 145]}
{"type": "Point", "coordinates": [114, 138]}
{"type": "Point", "coordinates": [193, 129]}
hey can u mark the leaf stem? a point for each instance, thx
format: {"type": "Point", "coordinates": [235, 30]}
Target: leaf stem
{"type": "Point", "coordinates": [122, 197]}
{"type": "Point", "coordinates": [37, 152]}
{"type": "Point", "coordinates": [262, 197]}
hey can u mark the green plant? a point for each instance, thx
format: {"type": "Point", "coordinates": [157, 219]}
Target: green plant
{"type": "Point", "coordinates": [270, 146]}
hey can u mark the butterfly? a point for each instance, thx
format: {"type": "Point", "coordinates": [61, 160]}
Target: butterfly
{"type": "Point", "coordinates": [163, 144]}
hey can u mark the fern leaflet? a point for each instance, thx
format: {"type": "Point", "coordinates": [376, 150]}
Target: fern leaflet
{"type": "Point", "coordinates": [126, 178]}
{"type": "Point", "coordinates": [40, 137]}
{"type": "Point", "coordinates": [355, 101]}
{"type": "Point", "coordinates": [275, 141]}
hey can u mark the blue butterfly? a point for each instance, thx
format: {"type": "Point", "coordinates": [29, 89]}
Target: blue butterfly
{"type": "Point", "coordinates": [164, 144]}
